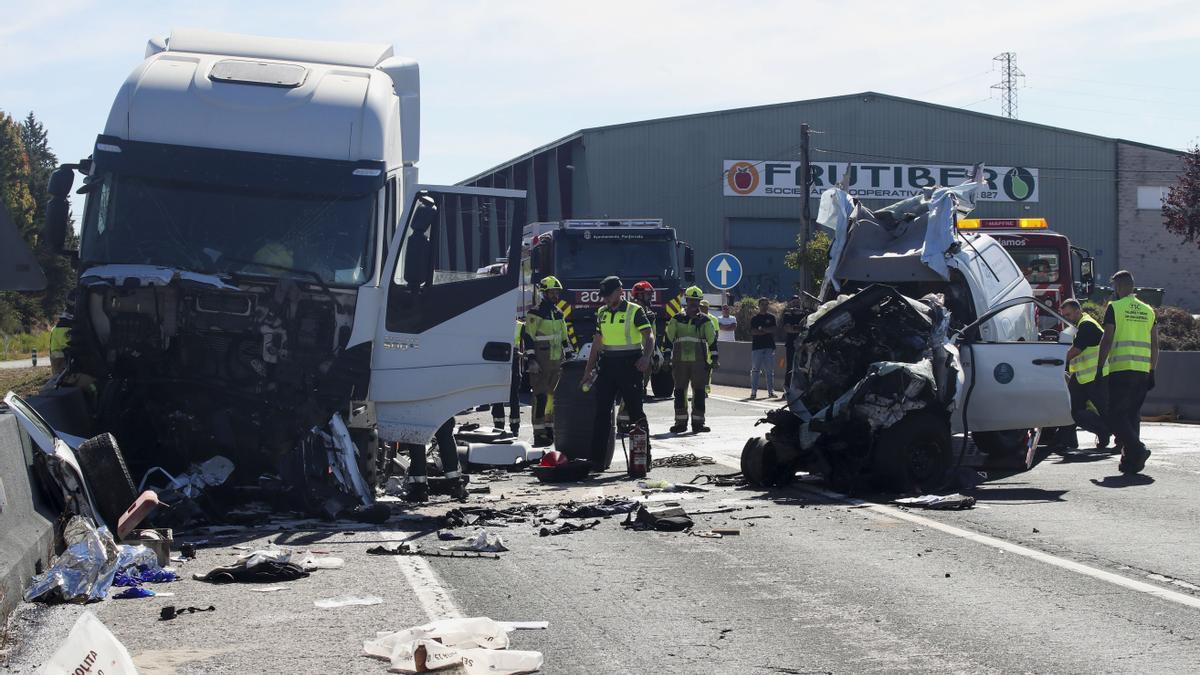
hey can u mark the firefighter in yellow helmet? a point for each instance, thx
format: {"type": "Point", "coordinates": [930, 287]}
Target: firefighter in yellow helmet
{"type": "Point", "coordinates": [547, 344]}
{"type": "Point", "coordinates": [692, 335]}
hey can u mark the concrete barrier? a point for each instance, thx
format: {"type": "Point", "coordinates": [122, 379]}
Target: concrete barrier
{"type": "Point", "coordinates": [735, 367]}
{"type": "Point", "coordinates": [1176, 386]}
{"type": "Point", "coordinates": [26, 521]}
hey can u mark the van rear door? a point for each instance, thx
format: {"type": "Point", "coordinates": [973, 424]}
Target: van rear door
{"type": "Point", "coordinates": [443, 341]}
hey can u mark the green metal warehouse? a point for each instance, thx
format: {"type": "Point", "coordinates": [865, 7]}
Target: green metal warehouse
{"type": "Point", "coordinates": [727, 180]}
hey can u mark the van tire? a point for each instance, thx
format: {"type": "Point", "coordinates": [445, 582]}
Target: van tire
{"type": "Point", "coordinates": [107, 477]}
{"type": "Point", "coordinates": [761, 466]}
{"type": "Point", "coordinates": [912, 454]}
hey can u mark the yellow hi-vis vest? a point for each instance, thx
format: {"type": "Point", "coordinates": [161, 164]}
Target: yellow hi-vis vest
{"type": "Point", "coordinates": [1083, 366]}
{"type": "Point", "coordinates": [617, 330]}
{"type": "Point", "coordinates": [58, 340]}
{"type": "Point", "coordinates": [691, 337]}
{"type": "Point", "coordinates": [1131, 340]}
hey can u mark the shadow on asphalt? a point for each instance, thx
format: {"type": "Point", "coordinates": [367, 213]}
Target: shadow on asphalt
{"type": "Point", "coordinates": [1029, 495]}
{"type": "Point", "coordinates": [1124, 481]}
{"type": "Point", "coordinates": [1083, 456]}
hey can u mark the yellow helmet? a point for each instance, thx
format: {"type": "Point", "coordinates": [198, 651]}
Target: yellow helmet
{"type": "Point", "coordinates": [550, 283]}
{"type": "Point", "coordinates": [694, 293]}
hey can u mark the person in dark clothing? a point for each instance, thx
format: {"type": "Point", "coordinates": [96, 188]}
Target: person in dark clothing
{"type": "Point", "coordinates": [622, 348]}
{"type": "Point", "coordinates": [1084, 381]}
{"type": "Point", "coordinates": [762, 348]}
{"type": "Point", "coordinates": [1128, 353]}
{"type": "Point", "coordinates": [793, 321]}
{"type": "Point", "coordinates": [417, 484]}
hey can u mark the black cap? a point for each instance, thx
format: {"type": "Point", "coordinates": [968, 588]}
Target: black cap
{"type": "Point", "coordinates": [609, 285]}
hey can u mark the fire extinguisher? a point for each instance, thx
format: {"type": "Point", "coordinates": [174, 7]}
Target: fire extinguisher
{"type": "Point", "coordinates": [639, 450]}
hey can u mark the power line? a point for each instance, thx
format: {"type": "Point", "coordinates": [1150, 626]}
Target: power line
{"type": "Point", "coordinates": [1009, 76]}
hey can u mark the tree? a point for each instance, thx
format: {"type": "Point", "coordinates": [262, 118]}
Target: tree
{"type": "Point", "coordinates": [811, 259]}
{"type": "Point", "coordinates": [1181, 208]}
{"type": "Point", "coordinates": [60, 277]}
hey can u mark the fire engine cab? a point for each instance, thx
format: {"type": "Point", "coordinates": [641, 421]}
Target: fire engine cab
{"type": "Point", "coordinates": [1045, 257]}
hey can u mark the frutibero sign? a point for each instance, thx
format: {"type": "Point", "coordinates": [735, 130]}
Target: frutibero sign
{"type": "Point", "coordinates": [765, 178]}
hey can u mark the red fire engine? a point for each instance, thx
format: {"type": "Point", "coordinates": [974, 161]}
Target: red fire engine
{"type": "Point", "coordinates": [1047, 258]}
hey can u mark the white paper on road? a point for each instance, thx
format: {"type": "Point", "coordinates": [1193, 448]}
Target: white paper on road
{"type": "Point", "coordinates": [493, 662]}
{"type": "Point", "coordinates": [347, 601]}
{"type": "Point", "coordinates": [90, 648]}
{"type": "Point", "coordinates": [477, 643]}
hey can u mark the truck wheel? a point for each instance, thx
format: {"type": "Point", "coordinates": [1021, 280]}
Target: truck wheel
{"type": "Point", "coordinates": [912, 454]}
{"type": "Point", "coordinates": [662, 384]}
{"type": "Point", "coordinates": [761, 467]}
{"type": "Point", "coordinates": [1002, 443]}
{"type": "Point", "coordinates": [107, 478]}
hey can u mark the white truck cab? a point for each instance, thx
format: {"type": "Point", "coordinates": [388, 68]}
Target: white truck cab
{"type": "Point", "coordinates": [258, 258]}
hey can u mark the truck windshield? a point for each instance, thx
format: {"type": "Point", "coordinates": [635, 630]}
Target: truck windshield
{"type": "Point", "coordinates": [635, 259]}
{"type": "Point", "coordinates": [216, 229]}
{"type": "Point", "coordinates": [1040, 266]}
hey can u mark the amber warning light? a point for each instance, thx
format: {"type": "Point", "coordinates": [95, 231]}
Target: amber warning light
{"type": "Point", "coordinates": [1002, 224]}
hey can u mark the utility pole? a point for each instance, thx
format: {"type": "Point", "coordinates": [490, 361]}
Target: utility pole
{"type": "Point", "coordinates": [1011, 78]}
{"type": "Point", "coordinates": [805, 222]}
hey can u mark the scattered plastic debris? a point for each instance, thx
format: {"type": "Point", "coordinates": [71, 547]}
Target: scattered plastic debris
{"type": "Point", "coordinates": [347, 601]}
{"type": "Point", "coordinates": [269, 589]}
{"type": "Point", "coordinates": [256, 567]}
{"type": "Point", "coordinates": [170, 611]}
{"type": "Point", "coordinates": [667, 486]}
{"type": "Point", "coordinates": [478, 644]}
{"type": "Point", "coordinates": [90, 648]}
{"type": "Point", "coordinates": [88, 566]}
{"type": "Point", "coordinates": [482, 542]}
{"type": "Point", "coordinates": [566, 528]}
{"type": "Point", "coordinates": [135, 592]}
{"type": "Point", "coordinates": [449, 535]}
{"type": "Point", "coordinates": [684, 461]}
{"type": "Point", "coordinates": [670, 518]}
{"type": "Point", "coordinates": [609, 506]}
{"type": "Point", "coordinates": [952, 502]}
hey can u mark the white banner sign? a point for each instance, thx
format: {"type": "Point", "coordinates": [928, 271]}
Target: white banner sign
{"type": "Point", "coordinates": [889, 182]}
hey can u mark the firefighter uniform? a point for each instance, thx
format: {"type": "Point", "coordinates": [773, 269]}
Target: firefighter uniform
{"type": "Point", "coordinates": [1129, 366]}
{"type": "Point", "coordinates": [514, 388]}
{"type": "Point", "coordinates": [546, 344]}
{"type": "Point", "coordinates": [620, 331]}
{"type": "Point", "coordinates": [1086, 383]}
{"type": "Point", "coordinates": [691, 335]}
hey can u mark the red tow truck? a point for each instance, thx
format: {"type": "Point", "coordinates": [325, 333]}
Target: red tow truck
{"type": "Point", "coordinates": [1047, 259]}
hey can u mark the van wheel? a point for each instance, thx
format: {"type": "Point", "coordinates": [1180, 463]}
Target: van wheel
{"type": "Point", "coordinates": [761, 467]}
{"type": "Point", "coordinates": [1002, 443]}
{"type": "Point", "coordinates": [662, 384]}
{"type": "Point", "coordinates": [913, 454]}
{"type": "Point", "coordinates": [107, 477]}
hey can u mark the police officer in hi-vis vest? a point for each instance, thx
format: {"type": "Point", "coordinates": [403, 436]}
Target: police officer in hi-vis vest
{"type": "Point", "coordinates": [1085, 381]}
{"type": "Point", "coordinates": [1128, 353]}
{"type": "Point", "coordinates": [623, 346]}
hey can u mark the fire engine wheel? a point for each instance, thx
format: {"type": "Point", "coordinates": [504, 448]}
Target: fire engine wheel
{"type": "Point", "coordinates": [108, 478]}
{"type": "Point", "coordinates": [662, 384]}
{"type": "Point", "coordinates": [761, 467]}
{"type": "Point", "coordinates": [1002, 443]}
{"type": "Point", "coordinates": [913, 454]}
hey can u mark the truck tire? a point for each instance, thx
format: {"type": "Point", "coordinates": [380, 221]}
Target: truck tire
{"type": "Point", "coordinates": [107, 477]}
{"type": "Point", "coordinates": [662, 384]}
{"type": "Point", "coordinates": [912, 454]}
{"type": "Point", "coordinates": [1002, 443]}
{"type": "Point", "coordinates": [761, 466]}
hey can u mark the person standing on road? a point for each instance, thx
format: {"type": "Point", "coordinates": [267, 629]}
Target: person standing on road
{"type": "Point", "coordinates": [546, 346]}
{"type": "Point", "coordinates": [416, 489]}
{"type": "Point", "coordinates": [1128, 353]}
{"type": "Point", "coordinates": [622, 348]}
{"type": "Point", "coordinates": [1085, 382]}
{"type": "Point", "coordinates": [514, 388]}
{"type": "Point", "coordinates": [643, 296]}
{"type": "Point", "coordinates": [726, 325]}
{"type": "Point", "coordinates": [793, 322]}
{"type": "Point", "coordinates": [762, 348]}
{"type": "Point", "coordinates": [692, 335]}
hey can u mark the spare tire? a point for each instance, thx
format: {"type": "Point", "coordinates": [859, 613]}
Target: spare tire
{"type": "Point", "coordinates": [107, 477]}
{"type": "Point", "coordinates": [761, 466]}
{"type": "Point", "coordinates": [912, 454]}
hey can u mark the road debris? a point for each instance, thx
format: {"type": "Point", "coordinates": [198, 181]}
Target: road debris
{"type": "Point", "coordinates": [684, 461]}
{"type": "Point", "coordinates": [256, 567]}
{"type": "Point", "coordinates": [735, 479]}
{"type": "Point", "coordinates": [482, 542]}
{"type": "Point", "coordinates": [727, 531]}
{"type": "Point", "coordinates": [609, 506]}
{"type": "Point", "coordinates": [671, 518]}
{"type": "Point", "coordinates": [953, 502]}
{"type": "Point", "coordinates": [90, 648]}
{"type": "Point", "coordinates": [566, 528]}
{"type": "Point", "coordinates": [87, 568]}
{"type": "Point", "coordinates": [478, 644]}
{"type": "Point", "coordinates": [667, 486]}
{"type": "Point", "coordinates": [170, 611]}
{"type": "Point", "coordinates": [347, 601]}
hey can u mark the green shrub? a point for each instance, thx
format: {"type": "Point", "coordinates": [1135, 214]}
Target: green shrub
{"type": "Point", "coordinates": [21, 346]}
{"type": "Point", "coordinates": [1178, 330]}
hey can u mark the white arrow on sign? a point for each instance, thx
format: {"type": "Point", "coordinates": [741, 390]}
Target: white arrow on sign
{"type": "Point", "coordinates": [724, 268]}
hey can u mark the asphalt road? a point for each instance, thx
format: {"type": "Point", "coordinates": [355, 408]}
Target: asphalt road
{"type": "Point", "coordinates": [1065, 568]}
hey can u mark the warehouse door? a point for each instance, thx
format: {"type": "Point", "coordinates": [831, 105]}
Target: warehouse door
{"type": "Point", "coordinates": [761, 244]}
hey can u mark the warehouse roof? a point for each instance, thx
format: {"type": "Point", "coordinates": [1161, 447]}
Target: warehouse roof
{"type": "Point", "coordinates": [866, 96]}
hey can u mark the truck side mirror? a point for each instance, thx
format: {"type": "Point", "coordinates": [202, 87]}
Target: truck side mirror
{"type": "Point", "coordinates": [689, 264]}
{"type": "Point", "coordinates": [1086, 275]}
{"type": "Point", "coordinates": [58, 208]}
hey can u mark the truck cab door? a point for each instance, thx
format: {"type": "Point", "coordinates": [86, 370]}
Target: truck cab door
{"type": "Point", "coordinates": [1011, 385]}
{"type": "Point", "coordinates": [443, 341]}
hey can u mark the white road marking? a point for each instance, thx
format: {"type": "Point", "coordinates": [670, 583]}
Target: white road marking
{"type": "Point", "coordinates": [426, 584]}
{"type": "Point", "coordinates": [1009, 547]}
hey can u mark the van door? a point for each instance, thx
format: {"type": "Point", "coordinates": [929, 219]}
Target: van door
{"type": "Point", "coordinates": [1012, 384]}
{"type": "Point", "coordinates": [443, 341]}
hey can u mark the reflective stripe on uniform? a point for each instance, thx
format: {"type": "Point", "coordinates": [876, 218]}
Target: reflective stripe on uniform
{"type": "Point", "coordinates": [612, 339]}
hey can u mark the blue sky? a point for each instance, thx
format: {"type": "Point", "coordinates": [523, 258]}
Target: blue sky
{"type": "Point", "coordinates": [501, 78]}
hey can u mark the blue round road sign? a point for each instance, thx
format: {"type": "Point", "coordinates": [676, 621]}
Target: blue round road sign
{"type": "Point", "coordinates": [723, 271]}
